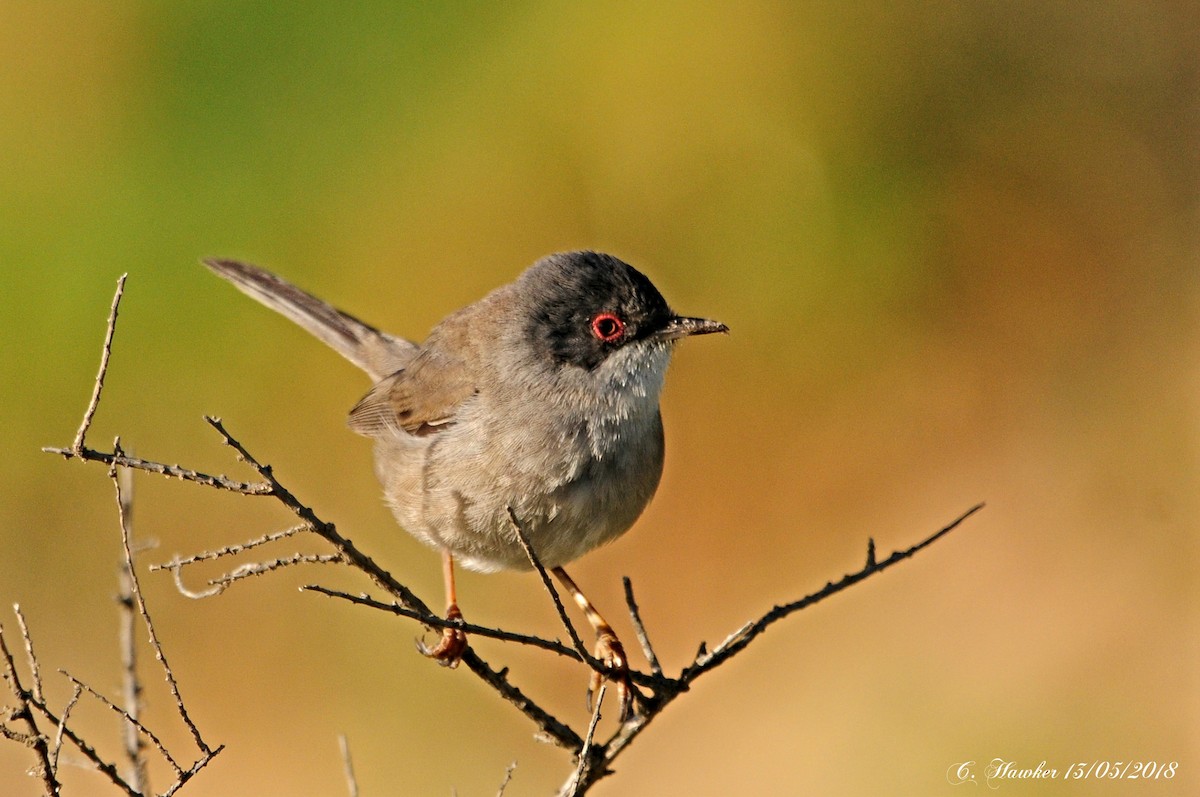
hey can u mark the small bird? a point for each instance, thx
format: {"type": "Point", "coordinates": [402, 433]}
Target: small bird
{"type": "Point", "coordinates": [537, 404]}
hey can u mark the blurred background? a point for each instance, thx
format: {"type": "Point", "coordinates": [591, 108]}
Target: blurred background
{"type": "Point", "coordinates": [957, 247]}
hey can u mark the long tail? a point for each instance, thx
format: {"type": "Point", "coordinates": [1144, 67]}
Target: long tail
{"type": "Point", "coordinates": [376, 352]}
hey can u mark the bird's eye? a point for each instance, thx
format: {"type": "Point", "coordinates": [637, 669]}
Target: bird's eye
{"type": "Point", "coordinates": [607, 327]}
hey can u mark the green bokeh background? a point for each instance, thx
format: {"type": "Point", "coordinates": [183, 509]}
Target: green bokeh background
{"type": "Point", "coordinates": [957, 246]}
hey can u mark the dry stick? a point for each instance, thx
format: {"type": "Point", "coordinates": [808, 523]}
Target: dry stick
{"type": "Point", "coordinates": [436, 621]}
{"type": "Point", "coordinates": [326, 531]}
{"type": "Point", "coordinates": [34, 669]}
{"type": "Point", "coordinates": [441, 622]}
{"type": "Point", "coordinates": [744, 636]}
{"type": "Point", "coordinates": [508, 773]}
{"type": "Point", "coordinates": [591, 661]}
{"type": "Point", "coordinates": [586, 758]}
{"type": "Point", "coordinates": [736, 642]}
{"type": "Point", "coordinates": [131, 722]}
{"type": "Point", "coordinates": [131, 685]}
{"type": "Point", "coordinates": [562, 734]}
{"type": "Point", "coordinates": [44, 770]}
{"type": "Point", "coordinates": [62, 723]}
{"type": "Point", "coordinates": [639, 628]}
{"type": "Point", "coordinates": [200, 764]}
{"type": "Point", "coordinates": [348, 766]}
{"type": "Point", "coordinates": [170, 471]}
{"type": "Point", "coordinates": [136, 590]}
{"type": "Point", "coordinates": [230, 550]}
{"type": "Point", "coordinates": [250, 570]}
{"type": "Point", "coordinates": [497, 679]}
{"type": "Point", "coordinates": [98, 385]}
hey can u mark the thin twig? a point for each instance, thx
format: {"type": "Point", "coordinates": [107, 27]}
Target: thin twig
{"type": "Point", "coordinates": [549, 725]}
{"type": "Point", "coordinates": [159, 655]}
{"type": "Point", "coordinates": [130, 721]}
{"type": "Point", "coordinates": [587, 758]}
{"type": "Point", "coordinates": [170, 471]}
{"type": "Point", "coordinates": [434, 621]}
{"type": "Point", "coordinates": [327, 531]}
{"type": "Point", "coordinates": [34, 669]}
{"type": "Point", "coordinates": [62, 723]}
{"type": "Point", "coordinates": [200, 764]}
{"type": "Point", "coordinates": [230, 550]}
{"type": "Point", "coordinates": [252, 569]}
{"type": "Point", "coordinates": [558, 604]}
{"type": "Point", "coordinates": [348, 766]}
{"type": "Point", "coordinates": [98, 385]}
{"type": "Point", "coordinates": [508, 774]}
{"type": "Point", "coordinates": [131, 685]}
{"type": "Point", "coordinates": [553, 728]}
{"type": "Point", "coordinates": [739, 640]}
{"type": "Point", "coordinates": [35, 739]}
{"type": "Point", "coordinates": [639, 628]}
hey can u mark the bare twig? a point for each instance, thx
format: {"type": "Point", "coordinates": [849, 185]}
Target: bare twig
{"type": "Point", "coordinates": [588, 756]}
{"type": "Point", "coordinates": [348, 766]}
{"type": "Point", "coordinates": [434, 621]}
{"type": "Point", "coordinates": [34, 669]}
{"type": "Point", "coordinates": [136, 591]}
{"type": "Point", "coordinates": [62, 724]}
{"type": "Point", "coordinates": [131, 685]}
{"type": "Point", "coordinates": [200, 764]}
{"type": "Point", "coordinates": [26, 701]}
{"type": "Point", "coordinates": [98, 385]}
{"type": "Point", "coordinates": [639, 628]}
{"type": "Point", "coordinates": [131, 722]}
{"type": "Point", "coordinates": [170, 471]}
{"type": "Point", "coordinates": [508, 774]}
{"type": "Point", "coordinates": [738, 641]}
{"type": "Point", "coordinates": [327, 531]}
{"type": "Point", "coordinates": [230, 550]}
{"type": "Point", "coordinates": [592, 662]}
{"type": "Point", "coordinates": [594, 758]}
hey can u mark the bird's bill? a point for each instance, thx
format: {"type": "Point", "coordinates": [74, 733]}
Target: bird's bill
{"type": "Point", "coordinates": [681, 327]}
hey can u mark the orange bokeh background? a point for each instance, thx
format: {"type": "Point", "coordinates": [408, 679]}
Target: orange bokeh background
{"type": "Point", "coordinates": [957, 247]}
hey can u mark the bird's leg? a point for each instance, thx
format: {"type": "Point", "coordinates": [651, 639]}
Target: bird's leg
{"type": "Point", "coordinates": [608, 648]}
{"type": "Point", "coordinates": [450, 648]}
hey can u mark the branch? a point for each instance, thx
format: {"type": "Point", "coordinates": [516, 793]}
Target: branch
{"type": "Point", "coordinates": [639, 629]}
{"type": "Point", "coordinates": [593, 759]}
{"type": "Point", "coordinates": [26, 702]}
{"type": "Point", "coordinates": [738, 641]}
{"type": "Point", "coordinates": [105, 353]}
{"type": "Point", "coordinates": [136, 591]}
{"type": "Point", "coordinates": [348, 766]}
{"type": "Point", "coordinates": [558, 604]}
{"type": "Point", "coordinates": [131, 685]}
{"type": "Point", "coordinates": [435, 621]}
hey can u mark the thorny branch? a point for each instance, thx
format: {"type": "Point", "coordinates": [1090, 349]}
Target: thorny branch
{"type": "Point", "coordinates": [593, 758]}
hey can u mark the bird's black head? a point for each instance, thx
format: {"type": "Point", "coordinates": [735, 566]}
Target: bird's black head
{"type": "Point", "coordinates": [586, 305]}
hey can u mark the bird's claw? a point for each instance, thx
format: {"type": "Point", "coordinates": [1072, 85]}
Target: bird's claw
{"type": "Point", "coordinates": [449, 650]}
{"type": "Point", "coordinates": [611, 654]}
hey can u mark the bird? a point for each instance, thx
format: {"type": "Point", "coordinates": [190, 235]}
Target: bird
{"type": "Point", "coordinates": [536, 405]}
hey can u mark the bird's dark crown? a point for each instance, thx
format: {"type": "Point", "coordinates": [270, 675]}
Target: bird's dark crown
{"type": "Point", "coordinates": [586, 305]}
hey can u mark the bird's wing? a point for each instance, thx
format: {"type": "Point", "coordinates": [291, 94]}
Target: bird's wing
{"type": "Point", "coordinates": [422, 399]}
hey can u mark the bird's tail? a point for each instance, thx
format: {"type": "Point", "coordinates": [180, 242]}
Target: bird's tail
{"type": "Point", "coordinates": [376, 352]}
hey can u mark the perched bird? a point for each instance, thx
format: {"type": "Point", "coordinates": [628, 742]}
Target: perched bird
{"type": "Point", "coordinates": [538, 403]}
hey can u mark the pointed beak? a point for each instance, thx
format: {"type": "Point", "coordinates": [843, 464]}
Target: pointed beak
{"type": "Point", "coordinates": [680, 327]}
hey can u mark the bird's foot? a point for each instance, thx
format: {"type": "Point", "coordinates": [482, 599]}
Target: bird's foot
{"type": "Point", "coordinates": [611, 654]}
{"type": "Point", "coordinates": [449, 650]}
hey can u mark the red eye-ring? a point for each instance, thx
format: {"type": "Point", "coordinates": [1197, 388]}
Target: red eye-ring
{"type": "Point", "coordinates": [607, 327]}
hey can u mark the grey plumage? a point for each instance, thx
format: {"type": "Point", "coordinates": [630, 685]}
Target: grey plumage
{"type": "Point", "coordinates": [542, 396]}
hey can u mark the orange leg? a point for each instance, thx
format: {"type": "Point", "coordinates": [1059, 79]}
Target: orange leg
{"type": "Point", "coordinates": [449, 650]}
{"type": "Point", "coordinates": [608, 648]}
